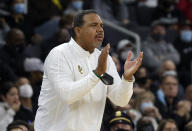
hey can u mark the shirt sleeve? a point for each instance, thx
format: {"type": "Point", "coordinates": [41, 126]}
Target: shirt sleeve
{"type": "Point", "coordinates": [60, 76]}
{"type": "Point", "coordinates": [121, 91]}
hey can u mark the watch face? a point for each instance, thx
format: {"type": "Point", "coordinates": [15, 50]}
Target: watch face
{"type": "Point", "coordinates": [107, 79]}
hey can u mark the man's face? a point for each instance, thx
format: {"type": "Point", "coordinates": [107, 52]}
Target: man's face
{"type": "Point", "coordinates": [125, 127]}
{"type": "Point", "coordinates": [170, 127]}
{"type": "Point", "coordinates": [170, 87]}
{"type": "Point", "coordinates": [91, 33]}
{"type": "Point", "coordinates": [18, 39]}
{"type": "Point", "coordinates": [12, 96]}
{"type": "Point", "coordinates": [159, 30]}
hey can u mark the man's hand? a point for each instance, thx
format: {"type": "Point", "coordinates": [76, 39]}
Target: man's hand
{"type": "Point", "coordinates": [102, 61]}
{"type": "Point", "coordinates": [131, 66]}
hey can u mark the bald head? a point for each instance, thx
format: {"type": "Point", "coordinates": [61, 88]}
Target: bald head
{"type": "Point", "coordinates": [15, 37]}
{"type": "Point", "coordinates": [168, 66]}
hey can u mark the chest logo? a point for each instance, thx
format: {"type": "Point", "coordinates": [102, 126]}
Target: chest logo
{"type": "Point", "coordinates": [80, 69]}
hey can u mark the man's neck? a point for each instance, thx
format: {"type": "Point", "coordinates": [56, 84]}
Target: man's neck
{"type": "Point", "coordinates": [80, 43]}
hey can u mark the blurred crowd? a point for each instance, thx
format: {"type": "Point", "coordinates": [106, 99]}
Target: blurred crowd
{"type": "Point", "coordinates": [162, 97]}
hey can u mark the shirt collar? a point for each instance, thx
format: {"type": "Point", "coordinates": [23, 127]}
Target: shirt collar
{"type": "Point", "coordinates": [78, 49]}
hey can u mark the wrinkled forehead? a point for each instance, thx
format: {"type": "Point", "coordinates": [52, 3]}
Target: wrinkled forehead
{"type": "Point", "coordinates": [92, 18]}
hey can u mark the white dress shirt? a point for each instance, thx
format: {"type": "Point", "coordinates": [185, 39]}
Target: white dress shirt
{"type": "Point", "coordinates": [72, 97]}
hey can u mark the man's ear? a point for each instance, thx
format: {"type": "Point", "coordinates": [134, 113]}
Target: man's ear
{"type": "Point", "coordinates": [77, 31]}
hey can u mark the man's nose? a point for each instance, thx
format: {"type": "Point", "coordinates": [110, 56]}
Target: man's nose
{"type": "Point", "coordinates": [100, 29]}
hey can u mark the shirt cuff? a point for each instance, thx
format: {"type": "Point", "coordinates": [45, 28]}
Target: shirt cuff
{"type": "Point", "coordinates": [94, 77]}
{"type": "Point", "coordinates": [129, 81]}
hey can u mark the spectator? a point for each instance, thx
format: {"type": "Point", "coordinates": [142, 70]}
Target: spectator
{"type": "Point", "coordinates": [183, 46]}
{"type": "Point", "coordinates": [167, 100]}
{"type": "Point", "coordinates": [19, 19]}
{"type": "Point", "coordinates": [12, 52]}
{"type": "Point", "coordinates": [9, 106]}
{"type": "Point", "coordinates": [167, 125]}
{"type": "Point", "coordinates": [34, 69]}
{"type": "Point", "coordinates": [134, 114]}
{"type": "Point", "coordinates": [145, 124]}
{"type": "Point", "coordinates": [145, 104]}
{"type": "Point", "coordinates": [142, 81]}
{"type": "Point", "coordinates": [25, 91]}
{"type": "Point", "coordinates": [124, 47]}
{"type": "Point", "coordinates": [157, 50]}
{"type": "Point", "coordinates": [167, 68]}
{"type": "Point", "coordinates": [121, 121]}
{"type": "Point", "coordinates": [18, 124]}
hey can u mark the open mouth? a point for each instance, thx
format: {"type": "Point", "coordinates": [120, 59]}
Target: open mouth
{"type": "Point", "coordinates": [99, 37]}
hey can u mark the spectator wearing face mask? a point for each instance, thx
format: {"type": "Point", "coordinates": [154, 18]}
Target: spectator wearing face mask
{"type": "Point", "coordinates": [74, 7]}
{"type": "Point", "coordinates": [10, 104]}
{"type": "Point", "coordinates": [157, 50]}
{"type": "Point", "coordinates": [145, 104]}
{"type": "Point", "coordinates": [19, 18]}
{"type": "Point", "coordinates": [183, 45]}
{"type": "Point", "coordinates": [142, 81]}
{"type": "Point", "coordinates": [34, 69]}
{"type": "Point", "coordinates": [124, 47]}
{"type": "Point", "coordinates": [25, 92]}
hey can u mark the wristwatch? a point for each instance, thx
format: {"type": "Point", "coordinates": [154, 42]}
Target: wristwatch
{"type": "Point", "coordinates": [105, 78]}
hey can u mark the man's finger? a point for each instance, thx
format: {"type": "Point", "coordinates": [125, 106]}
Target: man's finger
{"type": "Point", "coordinates": [140, 58]}
{"type": "Point", "coordinates": [129, 56]}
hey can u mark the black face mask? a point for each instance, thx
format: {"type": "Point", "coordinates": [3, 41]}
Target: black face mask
{"type": "Point", "coordinates": [19, 48]}
{"type": "Point", "coordinates": [157, 37]}
{"type": "Point", "coordinates": [142, 80]}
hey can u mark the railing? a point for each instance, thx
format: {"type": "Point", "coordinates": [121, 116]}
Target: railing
{"type": "Point", "coordinates": [127, 32]}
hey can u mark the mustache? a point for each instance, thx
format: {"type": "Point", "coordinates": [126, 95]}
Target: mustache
{"type": "Point", "coordinates": [99, 34]}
